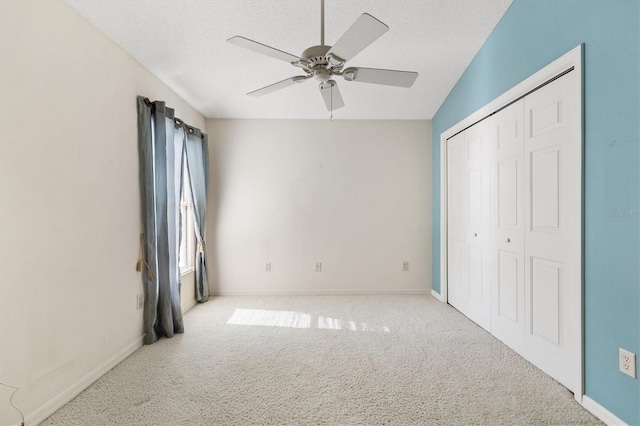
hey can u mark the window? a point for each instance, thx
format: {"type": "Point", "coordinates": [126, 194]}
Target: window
{"type": "Point", "coordinates": [187, 235]}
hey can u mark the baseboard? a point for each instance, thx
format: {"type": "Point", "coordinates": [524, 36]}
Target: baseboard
{"type": "Point", "coordinates": [72, 391]}
{"type": "Point", "coordinates": [321, 293]}
{"type": "Point", "coordinates": [437, 296]}
{"type": "Point", "coordinates": [600, 412]}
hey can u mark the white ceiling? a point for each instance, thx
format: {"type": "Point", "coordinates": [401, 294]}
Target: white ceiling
{"type": "Point", "coordinates": [184, 44]}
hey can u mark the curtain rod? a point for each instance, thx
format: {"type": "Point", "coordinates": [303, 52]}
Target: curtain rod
{"type": "Point", "coordinates": [178, 121]}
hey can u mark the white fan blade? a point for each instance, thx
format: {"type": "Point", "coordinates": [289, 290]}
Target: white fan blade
{"type": "Point", "coordinates": [361, 34]}
{"type": "Point", "coordinates": [331, 95]}
{"type": "Point", "coordinates": [380, 76]}
{"type": "Point", "coordinates": [263, 48]}
{"type": "Point", "coordinates": [277, 86]}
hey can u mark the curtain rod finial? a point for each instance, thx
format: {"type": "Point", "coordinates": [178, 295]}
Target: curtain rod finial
{"type": "Point", "coordinates": [147, 102]}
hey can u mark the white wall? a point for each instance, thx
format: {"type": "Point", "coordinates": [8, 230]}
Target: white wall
{"type": "Point", "coordinates": [70, 212]}
{"type": "Point", "coordinates": [354, 195]}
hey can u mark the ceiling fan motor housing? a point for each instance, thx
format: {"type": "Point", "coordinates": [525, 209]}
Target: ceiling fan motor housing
{"type": "Point", "coordinates": [316, 55]}
{"type": "Point", "coordinates": [320, 65]}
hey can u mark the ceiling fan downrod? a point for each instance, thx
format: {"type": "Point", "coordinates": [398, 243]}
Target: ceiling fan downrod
{"type": "Point", "coordinates": [321, 22]}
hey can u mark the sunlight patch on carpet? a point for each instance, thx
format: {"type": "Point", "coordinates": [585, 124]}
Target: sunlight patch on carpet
{"type": "Point", "coordinates": [291, 319]}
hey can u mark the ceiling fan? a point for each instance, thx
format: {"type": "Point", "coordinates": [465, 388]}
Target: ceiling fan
{"type": "Point", "coordinates": [324, 62]}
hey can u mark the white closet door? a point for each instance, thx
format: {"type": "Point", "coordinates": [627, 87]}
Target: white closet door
{"type": "Point", "coordinates": [552, 232]}
{"type": "Point", "coordinates": [479, 147]}
{"type": "Point", "coordinates": [457, 223]}
{"type": "Point", "coordinates": [507, 310]}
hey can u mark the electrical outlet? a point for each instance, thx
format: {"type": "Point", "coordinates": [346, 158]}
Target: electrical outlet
{"type": "Point", "coordinates": [267, 267]}
{"type": "Point", "coordinates": [627, 362]}
{"type": "Point", "coordinates": [318, 266]}
{"type": "Point", "coordinates": [405, 266]}
{"type": "Point", "coordinates": [140, 301]}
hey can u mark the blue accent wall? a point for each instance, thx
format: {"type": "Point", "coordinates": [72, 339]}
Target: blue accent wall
{"type": "Point", "coordinates": [531, 34]}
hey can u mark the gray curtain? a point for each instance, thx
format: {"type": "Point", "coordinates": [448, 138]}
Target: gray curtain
{"type": "Point", "coordinates": [160, 161]}
{"type": "Point", "coordinates": [197, 165]}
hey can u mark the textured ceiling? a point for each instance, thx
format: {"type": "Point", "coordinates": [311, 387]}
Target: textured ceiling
{"type": "Point", "coordinates": [183, 43]}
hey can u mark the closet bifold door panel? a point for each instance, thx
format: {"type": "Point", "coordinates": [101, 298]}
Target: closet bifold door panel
{"type": "Point", "coordinates": [457, 223]}
{"type": "Point", "coordinates": [479, 143]}
{"type": "Point", "coordinates": [507, 225]}
{"type": "Point", "coordinates": [469, 225]}
{"type": "Point", "coordinates": [553, 228]}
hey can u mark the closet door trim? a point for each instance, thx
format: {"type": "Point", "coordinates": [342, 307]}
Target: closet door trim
{"type": "Point", "coordinates": [572, 61]}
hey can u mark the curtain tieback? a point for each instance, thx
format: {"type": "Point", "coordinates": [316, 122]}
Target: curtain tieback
{"type": "Point", "coordinates": [142, 260]}
{"type": "Point", "coordinates": [201, 246]}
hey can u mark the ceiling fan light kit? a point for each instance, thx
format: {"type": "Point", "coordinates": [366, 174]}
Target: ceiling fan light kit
{"type": "Point", "coordinates": [324, 62]}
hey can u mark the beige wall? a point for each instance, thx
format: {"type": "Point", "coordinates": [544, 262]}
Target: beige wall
{"type": "Point", "coordinates": [70, 214]}
{"type": "Point", "coordinates": [354, 195]}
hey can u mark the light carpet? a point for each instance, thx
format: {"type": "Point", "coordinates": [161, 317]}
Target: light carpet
{"type": "Point", "coordinates": [303, 360]}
